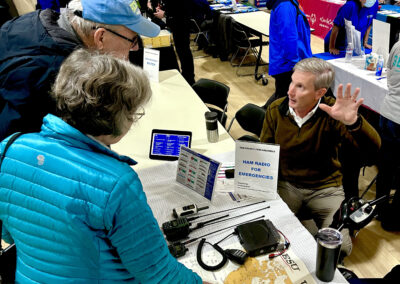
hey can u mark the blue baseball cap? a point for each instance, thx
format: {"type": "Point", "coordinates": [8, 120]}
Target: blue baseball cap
{"type": "Point", "coordinates": [119, 12]}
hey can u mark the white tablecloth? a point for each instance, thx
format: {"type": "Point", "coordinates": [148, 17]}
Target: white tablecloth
{"type": "Point", "coordinates": [164, 194]}
{"type": "Point", "coordinates": [372, 90]}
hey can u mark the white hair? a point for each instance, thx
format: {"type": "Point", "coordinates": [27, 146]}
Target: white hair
{"type": "Point", "coordinates": [85, 26]}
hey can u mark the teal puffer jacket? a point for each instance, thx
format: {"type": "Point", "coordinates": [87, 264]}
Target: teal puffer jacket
{"type": "Point", "coordinates": [78, 214]}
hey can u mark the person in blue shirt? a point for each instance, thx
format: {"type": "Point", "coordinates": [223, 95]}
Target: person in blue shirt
{"type": "Point", "coordinates": [289, 42]}
{"type": "Point", "coordinates": [361, 13]}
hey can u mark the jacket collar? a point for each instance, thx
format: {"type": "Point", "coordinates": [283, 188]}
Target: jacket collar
{"type": "Point", "coordinates": [56, 128]}
{"type": "Point", "coordinates": [63, 34]}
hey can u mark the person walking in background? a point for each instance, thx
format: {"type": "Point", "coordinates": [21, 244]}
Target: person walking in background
{"type": "Point", "coordinates": [289, 42]}
{"type": "Point", "coordinates": [178, 14]}
{"type": "Point", "coordinates": [149, 7]}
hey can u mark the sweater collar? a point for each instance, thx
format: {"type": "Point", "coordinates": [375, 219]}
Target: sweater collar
{"type": "Point", "coordinates": [56, 128]}
{"type": "Point", "coordinates": [284, 106]}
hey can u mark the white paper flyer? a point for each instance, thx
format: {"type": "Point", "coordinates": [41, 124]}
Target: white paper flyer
{"type": "Point", "coordinates": [256, 169]}
{"type": "Point", "coordinates": [151, 63]}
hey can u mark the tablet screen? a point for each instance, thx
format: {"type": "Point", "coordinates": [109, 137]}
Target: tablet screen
{"type": "Point", "coordinates": [166, 144]}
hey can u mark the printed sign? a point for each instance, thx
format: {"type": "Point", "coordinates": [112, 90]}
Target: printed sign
{"type": "Point", "coordinates": [151, 63]}
{"type": "Point", "coordinates": [197, 172]}
{"type": "Point", "coordinates": [256, 172]}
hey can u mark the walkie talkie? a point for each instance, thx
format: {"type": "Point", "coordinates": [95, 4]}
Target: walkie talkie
{"type": "Point", "coordinates": [177, 249]}
{"type": "Point", "coordinates": [180, 228]}
{"type": "Point", "coordinates": [176, 229]}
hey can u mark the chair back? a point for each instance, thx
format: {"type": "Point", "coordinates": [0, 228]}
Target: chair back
{"type": "Point", "coordinates": [213, 93]}
{"type": "Point", "coordinates": [194, 27]}
{"type": "Point", "coordinates": [251, 118]}
{"type": "Point", "coordinates": [239, 37]}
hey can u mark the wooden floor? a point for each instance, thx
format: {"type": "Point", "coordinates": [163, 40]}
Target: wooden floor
{"type": "Point", "coordinates": [375, 251]}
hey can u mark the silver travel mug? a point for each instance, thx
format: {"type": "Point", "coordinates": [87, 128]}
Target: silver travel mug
{"type": "Point", "coordinates": [212, 126]}
{"type": "Point", "coordinates": [329, 241]}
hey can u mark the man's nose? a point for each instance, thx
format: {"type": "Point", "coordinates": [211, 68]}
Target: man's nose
{"type": "Point", "coordinates": [291, 90]}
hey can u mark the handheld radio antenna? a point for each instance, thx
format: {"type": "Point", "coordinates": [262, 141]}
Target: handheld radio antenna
{"type": "Point", "coordinates": [226, 210]}
{"type": "Point", "coordinates": [211, 222]}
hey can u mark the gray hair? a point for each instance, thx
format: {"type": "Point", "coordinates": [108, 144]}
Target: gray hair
{"type": "Point", "coordinates": [323, 71]}
{"type": "Point", "coordinates": [85, 26]}
{"type": "Point", "coordinates": [99, 94]}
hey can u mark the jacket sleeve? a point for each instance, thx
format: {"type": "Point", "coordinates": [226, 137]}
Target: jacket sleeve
{"type": "Point", "coordinates": [268, 130]}
{"type": "Point", "coordinates": [348, 11]}
{"type": "Point", "coordinates": [135, 234]}
{"type": "Point", "coordinates": [365, 138]}
{"type": "Point", "coordinates": [286, 15]}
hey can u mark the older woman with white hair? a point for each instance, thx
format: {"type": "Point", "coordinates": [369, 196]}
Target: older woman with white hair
{"type": "Point", "coordinates": [75, 209]}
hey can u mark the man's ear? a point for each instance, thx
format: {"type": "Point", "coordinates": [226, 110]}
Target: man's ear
{"type": "Point", "coordinates": [321, 92]}
{"type": "Point", "coordinates": [98, 38]}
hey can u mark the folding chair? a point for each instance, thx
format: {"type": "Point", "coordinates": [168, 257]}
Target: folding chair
{"type": "Point", "coordinates": [215, 95]}
{"type": "Point", "coordinates": [243, 41]}
{"type": "Point", "coordinates": [251, 118]}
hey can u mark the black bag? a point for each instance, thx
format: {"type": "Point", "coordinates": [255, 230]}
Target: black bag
{"type": "Point", "coordinates": [8, 255]}
{"type": "Point", "coordinates": [8, 262]}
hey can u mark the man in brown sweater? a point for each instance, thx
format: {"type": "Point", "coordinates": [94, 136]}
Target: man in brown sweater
{"type": "Point", "coordinates": [310, 128]}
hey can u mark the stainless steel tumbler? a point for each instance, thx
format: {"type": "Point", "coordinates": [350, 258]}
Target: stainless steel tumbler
{"type": "Point", "coordinates": [212, 126]}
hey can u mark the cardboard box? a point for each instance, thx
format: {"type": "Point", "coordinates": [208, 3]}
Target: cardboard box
{"type": "Point", "coordinates": [162, 40]}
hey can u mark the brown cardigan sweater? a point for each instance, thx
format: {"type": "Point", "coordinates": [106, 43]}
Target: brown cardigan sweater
{"type": "Point", "coordinates": [309, 155]}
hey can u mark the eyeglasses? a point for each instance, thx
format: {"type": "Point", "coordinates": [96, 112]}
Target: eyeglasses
{"type": "Point", "coordinates": [139, 114]}
{"type": "Point", "coordinates": [133, 41]}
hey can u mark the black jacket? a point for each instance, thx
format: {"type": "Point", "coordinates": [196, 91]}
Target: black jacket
{"type": "Point", "coordinates": [32, 48]}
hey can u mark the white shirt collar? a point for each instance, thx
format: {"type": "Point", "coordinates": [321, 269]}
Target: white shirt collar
{"type": "Point", "coordinates": [300, 121]}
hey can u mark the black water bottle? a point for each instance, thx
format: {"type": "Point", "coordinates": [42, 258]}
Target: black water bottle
{"type": "Point", "coordinates": [329, 242]}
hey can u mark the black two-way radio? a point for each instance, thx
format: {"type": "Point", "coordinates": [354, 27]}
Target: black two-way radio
{"type": "Point", "coordinates": [180, 228]}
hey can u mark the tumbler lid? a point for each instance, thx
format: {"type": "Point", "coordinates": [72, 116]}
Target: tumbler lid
{"type": "Point", "coordinates": [329, 237]}
{"type": "Point", "coordinates": [211, 115]}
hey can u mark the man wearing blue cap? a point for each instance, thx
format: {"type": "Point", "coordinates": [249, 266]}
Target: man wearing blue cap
{"type": "Point", "coordinates": [33, 46]}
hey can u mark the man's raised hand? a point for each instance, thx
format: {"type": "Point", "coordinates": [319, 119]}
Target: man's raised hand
{"type": "Point", "coordinates": [346, 106]}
